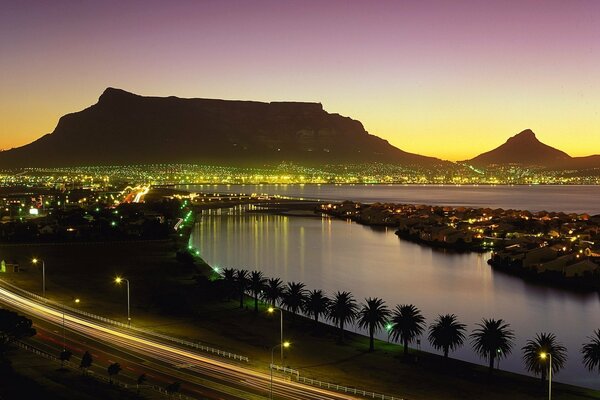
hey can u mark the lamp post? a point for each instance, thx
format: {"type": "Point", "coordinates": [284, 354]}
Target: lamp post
{"type": "Point", "coordinates": [63, 324]}
{"type": "Point", "coordinates": [543, 356]}
{"type": "Point", "coordinates": [118, 281]}
{"type": "Point", "coordinates": [35, 261]}
{"type": "Point", "coordinates": [272, 310]}
{"type": "Point", "coordinates": [282, 345]}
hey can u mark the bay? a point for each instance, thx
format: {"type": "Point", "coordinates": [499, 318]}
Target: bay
{"type": "Point", "coordinates": [333, 255]}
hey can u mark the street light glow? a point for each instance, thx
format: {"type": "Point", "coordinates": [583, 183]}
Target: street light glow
{"type": "Point", "coordinates": [270, 309]}
{"type": "Point", "coordinates": [543, 355]}
{"type": "Point", "coordinates": [118, 279]}
{"type": "Point", "coordinates": [286, 344]}
{"type": "Point", "coordinates": [35, 261]}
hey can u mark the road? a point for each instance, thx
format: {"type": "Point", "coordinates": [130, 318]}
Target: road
{"type": "Point", "coordinates": [201, 376]}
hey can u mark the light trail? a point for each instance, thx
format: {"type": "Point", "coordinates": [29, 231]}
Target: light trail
{"type": "Point", "coordinates": [234, 374]}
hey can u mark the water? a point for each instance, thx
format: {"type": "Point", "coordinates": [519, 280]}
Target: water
{"type": "Point", "coordinates": [580, 199]}
{"type": "Point", "coordinates": [338, 255]}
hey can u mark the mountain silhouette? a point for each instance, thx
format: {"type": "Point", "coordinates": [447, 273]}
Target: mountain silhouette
{"type": "Point", "coordinates": [525, 149]}
{"type": "Point", "coordinates": [125, 129]}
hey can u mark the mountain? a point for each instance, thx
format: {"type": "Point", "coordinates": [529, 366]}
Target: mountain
{"type": "Point", "coordinates": [125, 128]}
{"type": "Point", "coordinates": [523, 148]}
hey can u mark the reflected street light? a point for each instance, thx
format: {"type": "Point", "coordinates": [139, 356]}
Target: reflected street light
{"type": "Point", "coordinates": [35, 261]}
{"type": "Point", "coordinates": [118, 281]}
{"type": "Point", "coordinates": [272, 310]}
{"type": "Point", "coordinates": [282, 345]}
{"type": "Point", "coordinates": [543, 356]}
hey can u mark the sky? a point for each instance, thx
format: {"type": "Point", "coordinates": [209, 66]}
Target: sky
{"type": "Point", "coordinates": [449, 79]}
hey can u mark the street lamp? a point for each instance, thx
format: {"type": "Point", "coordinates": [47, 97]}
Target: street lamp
{"type": "Point", "coordinates": [272, 310]}
{"type": "Point", "coordinates": [543, 356]}
{"type": "Point", "coordinates": [388, 327]}
{"type": "Point", "coordinates": [118, 281]}
{"type": "Point", "coordinates": [35, 261]}
{"type": "Point", "coordinates": [282, 345]}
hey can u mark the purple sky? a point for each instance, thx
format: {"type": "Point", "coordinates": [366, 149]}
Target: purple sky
{"type": "Point", "coordinates": [443, 78]}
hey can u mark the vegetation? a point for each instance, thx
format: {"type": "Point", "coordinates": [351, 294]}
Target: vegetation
{"type": "Point", "coordinates": [257, 284]}
{"type": "Point", "coordinates": [113, 370]}
{"type": "Point", "coordinates": [273, 291]}
{"type": "Point", "coordinates": [241, 284]}
{"type": "Point", "coordinates": [293, 297]}
{"type": "Point", "coordinates": [65, 356]}
{"type": "Point", "coordinates": [407, 324]}
{"type": "Point", "coordinates": [13, 327]}
{"type": "Point", "coordinates": [446, 333]}
{"type": "Point", "coordinates": [537, 353]}
{"type": "Point", "coordinates": [492, 340]}
{"type": "Point", "coordinates": [591, 352]}
{"type": "Point", "coordinates": [373, 315]}
{"type": "Point", "coordinates": [316, 304]}
{"type": "Point", "coordinates": [86, 362]}
{"type": "Point", "coordinates": [342, 310]}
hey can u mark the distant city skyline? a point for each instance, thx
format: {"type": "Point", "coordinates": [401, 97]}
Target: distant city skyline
{"type": "Point", "coordinates": [443, 79]}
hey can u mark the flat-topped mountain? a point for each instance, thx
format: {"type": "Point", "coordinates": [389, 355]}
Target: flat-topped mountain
{"type": "Point", "coordinates": [525, 149]}
{"type": "Point", "coordinates": [125, 128]}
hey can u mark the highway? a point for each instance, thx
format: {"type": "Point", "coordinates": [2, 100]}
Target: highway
{"type": "Point", "coordinates": [201, 376]}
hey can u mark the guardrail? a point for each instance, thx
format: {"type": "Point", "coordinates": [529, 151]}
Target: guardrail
{"type": "Point", "coordinates": [285, 370]}
{"type": "Point", "coordinates": [198, 346]}
{"type": "Point", "coordinates": [345, 389]}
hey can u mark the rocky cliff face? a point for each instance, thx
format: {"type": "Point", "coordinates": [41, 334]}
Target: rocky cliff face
{"type": "Point", "coordinates": [125, 128]}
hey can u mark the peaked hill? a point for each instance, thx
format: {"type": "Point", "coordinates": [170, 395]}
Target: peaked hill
{"type": "Point", "coordinates": [125, 128]}
{"type": "Point", "coordinates": [525, 149]}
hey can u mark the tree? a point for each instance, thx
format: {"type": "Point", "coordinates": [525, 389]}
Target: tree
{"type": "Point", "coordinates": [446, 333]}
{"type": "Point", "coordinates": [257, 284]}
{"type": "Point", "coordinates": [535, 351]}
{"type": "Point", "coordinates": [173, 387]}
{"type": "Point", "coordinates": [241, 284]}
{"type": "Point", "coordinates": [293, 297]}
{"type": "Point", "coordinates": [65, 356]}
{"type": "Point", "coordinates": [86, 362]}
{"type": "Point", "coordinates": [591, 352]}
{"type": "Point", "coordinates": [229, 279]}
{"type": "Point", "coordinates": [342, 310]}
{"type": "Point", "coordinates": [407, 324]}
{"type": "Point", "coordinates": [273, 291]}
{"type": "Point", "coordinates": [140, 381]}
{"type": "Point", "coordinates": [493, 339]}
{"type": "Point", "coordinates": [373, 315]}
{"type": "Point", "coordinates": [315, 304]}
{"type": "Point", "coordinates": [13, 327]}
{"type": "Point", "coordinates": [113, 370]}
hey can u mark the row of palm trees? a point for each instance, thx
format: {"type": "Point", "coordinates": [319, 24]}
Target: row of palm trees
{"type": "Point", "coordinates": [492, 339]}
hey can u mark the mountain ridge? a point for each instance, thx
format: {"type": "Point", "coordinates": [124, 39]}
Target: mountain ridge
{"type": "Point", "coordinates": [127, 128]}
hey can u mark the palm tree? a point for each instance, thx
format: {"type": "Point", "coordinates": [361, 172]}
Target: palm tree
{"type": "Point", "coordinates": [316, 304]}
{"type": "Point", "coordinates": [544, 343]}
{"type": "Point", "coordinates": [373, 315]}
{"type": "Point", "coordinates": [113, 369]}
{"type": "Point", "coordinates": [293, 297]}
{"type": "Point", "coordinates": [493, 339]}
{"type": "Point", "coordinates": [407, 324]}
{"type": "Point", "coordinates": [229, 278]}
{"type": "Point", "coordinates": [273, 291]}
{"type": "Point", "coordinates": [591, 352]}
{"type": "Point", "coordinates": [257, 284]}
{"type": "Point", "coordinates": [447, 333]}
{"type": "Point", "coordinates": [241, 284]}
{"type": "Point", "coordinates": [342, 310]}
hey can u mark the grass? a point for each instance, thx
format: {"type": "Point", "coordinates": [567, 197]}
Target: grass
{"type": "Point", "coordinates": [165, 298]}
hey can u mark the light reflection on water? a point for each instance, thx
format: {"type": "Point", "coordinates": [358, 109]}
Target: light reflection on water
{"type": "Point", "coordinates": [339, 255]}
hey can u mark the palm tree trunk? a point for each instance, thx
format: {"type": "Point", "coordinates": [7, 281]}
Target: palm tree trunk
{"type": "Point", "coordinates": [491, 362]}
{"type": "Point", "coordinates": [256, 302]}
{"type": "Point", "coordinates": [371, 341]}
{"type": "Point", "coordinates": [341, 332]}
{"type": "Point", "coordinates": [242, 300]}
{"type": "Point", "coordinates": [405, 341]}
{"type": "Point", "coordinates": [445, 352]}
